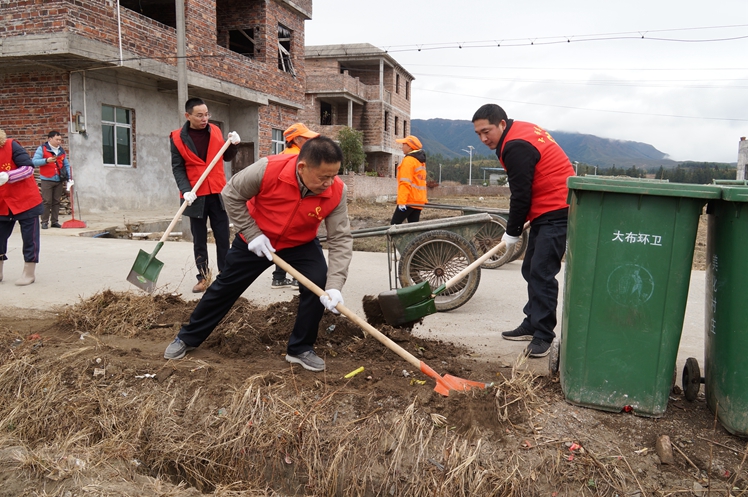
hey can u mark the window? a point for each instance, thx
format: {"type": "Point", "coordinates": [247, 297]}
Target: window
{"type": "Point", "coordinates": [325, 114]}
{"type": "Point", "coordinates": [116, 130]}
{"type": "Point", "coordinates": [396, 128]}
{"type": "Point", "coordinates": [242, 41]}
{"type": "Point", "coordinates": [284, 50]}
{"type": "Point", "coordinates": [405, 128]}
{"type": "Point", "coordinates": [278, 144]}
{"type": "Point", "coordinates": [386, 121]}
{"type": "Point", "coordinates": [163, 12]}
{"type": "Point", "coordinates": [397, 83]}
{"type": "Point", "coordinates": [407, 90]}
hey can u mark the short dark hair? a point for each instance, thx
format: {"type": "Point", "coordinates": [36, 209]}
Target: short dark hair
{"type": "Point", "coordinates": [493, 113]}
{"type": "Point", "coordinates": [320, 150]}
{"type": "Point", "coordinates": [192, 103]}
{"type": "Point", "coordinates": [52, 134]}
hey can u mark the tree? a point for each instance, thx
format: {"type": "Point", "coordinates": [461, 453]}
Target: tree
{"type": "Point", "coordinates": [352, 143]}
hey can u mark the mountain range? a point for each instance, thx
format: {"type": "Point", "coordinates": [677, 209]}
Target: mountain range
{"type": "Point", "coordinates": [451, 138]}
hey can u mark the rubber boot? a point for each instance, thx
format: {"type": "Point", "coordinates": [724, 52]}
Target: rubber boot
{"type": "Point", "coordinates": [27, 277]}
{"type": "Point", "coordinates": [1, 270]}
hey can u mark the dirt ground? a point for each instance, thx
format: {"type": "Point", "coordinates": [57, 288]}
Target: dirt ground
{"type": "Point", "coordinates": [90, 408]}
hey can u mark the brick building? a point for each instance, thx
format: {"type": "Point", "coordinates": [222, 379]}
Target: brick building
{"type": "Point", "coordinates": [104, 73]}
{"type": "Point", "coordinates": [362, 87]}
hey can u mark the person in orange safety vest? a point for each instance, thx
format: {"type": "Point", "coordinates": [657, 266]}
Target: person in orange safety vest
{"type": "Point", "coordinates": [411, 182]}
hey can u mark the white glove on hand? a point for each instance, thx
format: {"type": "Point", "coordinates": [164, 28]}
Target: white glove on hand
{"type": "Point", "coordinates": [510, 240]}
{"type": "Point", "coordinates": [260, 245]}
{"type": "Point", "coordinates": [189, 197]}
{"type": "Point", "coordinates": [3, 178]}
{"type": "Point", "coordinates": [70, 183]}
{"type": "Point", "coordinates": [332, 299]}
{"type": "Point", "coordinates": [403, 207]}
{"type": "Point", "coordinates": [233, 137]}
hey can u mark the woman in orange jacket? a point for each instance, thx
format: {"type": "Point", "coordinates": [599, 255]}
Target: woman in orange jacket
{"type": "Point", "coordinates": [411, 181]}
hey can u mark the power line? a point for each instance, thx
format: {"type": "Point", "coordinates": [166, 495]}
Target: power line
{"type": "Point", "coordinates": [590, 110]}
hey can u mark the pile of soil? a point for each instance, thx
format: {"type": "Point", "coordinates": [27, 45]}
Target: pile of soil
{"type": "Point", "coordinates": [90, 407]}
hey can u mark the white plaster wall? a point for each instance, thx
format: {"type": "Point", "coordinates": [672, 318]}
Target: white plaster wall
{"type": "Point", "coordinates": [150, 185]}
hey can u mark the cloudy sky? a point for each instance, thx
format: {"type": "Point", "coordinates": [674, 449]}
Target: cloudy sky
{"type": "Point", "coordinates": [673, 74]}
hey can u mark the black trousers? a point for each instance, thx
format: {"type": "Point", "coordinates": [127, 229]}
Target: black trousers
{"type": "Point", "coordinates": [545, 249]}
{"type": "Point", "coordinates": [30, 233]}
{"type": "Point", "coordinates": [241, 269]}
{"type": "Point", "coordinates": [411, 214]}
{"type": "Point", "coordinates": [219, 222]}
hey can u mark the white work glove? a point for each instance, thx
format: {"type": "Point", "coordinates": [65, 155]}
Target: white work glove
{"type": "Point", "coordinates": [233, 137]}
{"type": "Point", "coordinates": [260, 245]}
{"type": "Point", "coordinates": [509, 240]}
{"type": "Point", "coordinates": [332, 299]}
{"type": "Point", "coordinates": [189, 197]}
{"type": "Point", "coordinates": [3, 178]}
{"type": "Point", "coordinates": [70, 183]}
{"type": "Point", "coordinates": [403, 207]}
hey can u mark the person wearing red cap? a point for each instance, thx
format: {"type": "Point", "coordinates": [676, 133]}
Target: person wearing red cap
{"type": "Point", "coordinates": [411, 181]}
{"type": "Point", "coordinates": [296, 136]}
{"type": "Point", "coordinates": [537, 169]}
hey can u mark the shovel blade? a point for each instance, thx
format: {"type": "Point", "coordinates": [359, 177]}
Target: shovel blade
{"type": "Point", "coordinates": [408, 304]}
{"type": "Point", "coordinates": [145, 271]}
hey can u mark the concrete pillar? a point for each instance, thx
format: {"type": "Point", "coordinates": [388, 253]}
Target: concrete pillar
{"type": "Point", "coordinates": [742, 158]}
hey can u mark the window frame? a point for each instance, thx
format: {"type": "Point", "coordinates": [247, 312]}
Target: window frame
{"type": "Point", "coordinates": [115, 125]}
{"type": "Point", "coordinates": [277, 142]}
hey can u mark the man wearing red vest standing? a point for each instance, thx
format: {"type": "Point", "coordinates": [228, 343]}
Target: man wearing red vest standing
{"type": "Point", "coordinates": [192, 149]}
{"type": "Point", "coordinates": [278, 204]}
{"type": "Point", "coordinates": [537, 169]}
{"type": "Point", "coordinates": [54, 170]}
{"type": "Point", "coordinates": [19, 201]}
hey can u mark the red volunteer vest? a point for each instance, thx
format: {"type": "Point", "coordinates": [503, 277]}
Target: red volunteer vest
{"type": "Point", "coordinates": [49, 170]}
{"type": "Point", "coordinates": [549, 190]}
{"type": "Point", "coordinates": [195, 166]}
{"type": "Point", "coordinates": [16, 197]}
{"type": "Point", "coordinates": [279, 211]}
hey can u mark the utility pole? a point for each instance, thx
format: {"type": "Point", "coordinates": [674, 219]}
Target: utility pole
{"type": "Point", "coordinates": [181, 60]}
{"type": "Point", "coordinates": [470, 172]}
{"type": "Point", "coordinates": [440, 175]}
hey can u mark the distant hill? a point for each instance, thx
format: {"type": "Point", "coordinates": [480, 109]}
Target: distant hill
{"type": "Point", "coordinates": [449, 137]}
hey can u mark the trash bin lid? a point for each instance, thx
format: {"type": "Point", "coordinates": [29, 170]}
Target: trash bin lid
{"type": "Point", "coordinates": [643, 186]}
{"type": "Point", "coordinates": [735, 193]}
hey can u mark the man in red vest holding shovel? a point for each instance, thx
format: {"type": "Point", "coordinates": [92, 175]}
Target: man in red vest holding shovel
{"type": "Point", "coordinates": [192, 149]}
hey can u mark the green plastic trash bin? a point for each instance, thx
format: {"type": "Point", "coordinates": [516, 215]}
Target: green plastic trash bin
{"type": "Point", "coordinates": [726, 316]}
{"type": "Point", "coordinates": [629, 250]}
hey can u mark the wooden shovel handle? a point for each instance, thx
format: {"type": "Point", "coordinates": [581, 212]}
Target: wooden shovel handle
{"type": "Point", "coordinates": [194, 189]}
{"type": "Point", "coordinates": [350, 314]}
{"type": "Point", "coordinates": [480, 260]}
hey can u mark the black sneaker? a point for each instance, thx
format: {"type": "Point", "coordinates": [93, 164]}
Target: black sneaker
{"type": "Point", "coordinates": [517, 334]}
{"type": "Point", "coordinates": [45, 226]}
{"type": "Point", "coordinates": [56, 225]}
{"type": "Point", "coordinates": [538, 348]}
{"type": "Point", "coordinates": [294, 283]}
{"type": "Point", "coordinates": [284, 283]}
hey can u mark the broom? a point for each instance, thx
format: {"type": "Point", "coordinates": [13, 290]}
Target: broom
{"type": "Point", "coordinates": [73, 223]}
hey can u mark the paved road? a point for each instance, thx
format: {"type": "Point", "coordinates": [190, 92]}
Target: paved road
{"type": "Point", "coordinates": [75, 267]}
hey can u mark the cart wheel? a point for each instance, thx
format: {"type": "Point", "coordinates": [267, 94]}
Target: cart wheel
{"type": "Point", "coordinates": [554, 357]}
{"type": "Point", "coordinates": [436, 256]}
{"type": "Point", "coordinates": [519, 248]}
{"type": "Point", "coordinates": [691, 379]}
{"type": "Point", "coordinates": [487, 238]}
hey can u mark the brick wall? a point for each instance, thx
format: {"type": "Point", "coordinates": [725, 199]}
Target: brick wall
{"type": "Point", "coordinates": [273, 117]}
{"type": "Point", "coordinates": [33, 105]}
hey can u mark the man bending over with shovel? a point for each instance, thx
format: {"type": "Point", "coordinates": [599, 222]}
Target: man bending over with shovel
{"type": "Point", "coordinates": [537, 169]}
{"type": "Point", "coordinates": [277, 204]}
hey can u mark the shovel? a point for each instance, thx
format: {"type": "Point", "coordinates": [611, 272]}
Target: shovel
{"type": "Point", "coordinates": [409, 304]}
{"type": "Point", "coordinates": [444, 384]}
{"type": "Point", "coordinates": [146, 268]}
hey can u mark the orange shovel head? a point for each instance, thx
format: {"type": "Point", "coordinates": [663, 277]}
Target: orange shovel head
{"type": "Point", "coordinates": [448, 383]}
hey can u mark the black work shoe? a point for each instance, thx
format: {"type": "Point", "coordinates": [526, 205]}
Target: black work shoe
{"type": "Point", "coordinates": [284, 283]}
{"type": "Point", "coordinates": [517, 334]}
{"type": "Point", "coordinates": [294, 283]}
{"type": "Point", "coordinates": [56, 225]}
{"type": "Point", "coordinates": [45, 226]}
{"type": "Point", "coordinates": [538, 348]}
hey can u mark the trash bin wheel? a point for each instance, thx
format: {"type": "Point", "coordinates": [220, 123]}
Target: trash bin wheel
{"type": "Point", "coordinates": [436, 256]}
{"type": "Point", "coordinates": [691, 379]}
{"type": "Point", "coordinates": [554, 357]}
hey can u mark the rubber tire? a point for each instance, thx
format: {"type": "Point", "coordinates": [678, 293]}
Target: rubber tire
{"type": "Point", "coordinates": [436, 256]}
{"type": "Point", "coordinates": [521, 246]}
{"type": "Point", "coordinates": [487, 238]}
{"type": "Point", "coordinates": [554, 357]}
{"type": "Point", "coordinates": [691, 379]}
